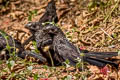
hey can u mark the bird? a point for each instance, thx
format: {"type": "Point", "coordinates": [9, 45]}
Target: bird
{"type": "Point", "coordinates": [8, 44]}
{"type": "Point", "coordinates": [50, 15]}
{"type": "Point", "coordinates": [62, 49]}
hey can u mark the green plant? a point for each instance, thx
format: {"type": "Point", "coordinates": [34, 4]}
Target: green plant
{"type": "Point", "coordinates": [80, 65]}
{"type": "Point", "coordinates": [35, 46]}
{"type": "Point", "coordinates": [68, 77]}
{"type": "Point", "coordinates": [36, 76]}
{"type": "Point", "coordinates": [95, 3]}
{"type": "Point", "coordinates": [118, 53]}
{"type": "Point", "coordinates": [67, 63]}
{"type": "Point", "coordinates": [31, 14]}
{"type": "Point", "coordinates": [9, 71]}
{"type": "Point", "coordinates": [10, 49]}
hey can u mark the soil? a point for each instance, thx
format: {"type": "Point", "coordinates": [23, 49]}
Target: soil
{"type": "Point", "coordinates": [95, 28]}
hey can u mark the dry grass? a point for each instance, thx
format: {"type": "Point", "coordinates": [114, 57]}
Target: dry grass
{"type": "Point", "coordinates": [89, 24]}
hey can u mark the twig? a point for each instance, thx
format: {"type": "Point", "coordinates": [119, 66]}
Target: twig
{"type": "Point", "coordinates": [52, 62]}
{"type": "Point", "coordinates": [106, 33]}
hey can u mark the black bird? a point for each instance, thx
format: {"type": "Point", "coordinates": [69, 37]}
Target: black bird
{"type": "Point", "coordinates": [50, 15]}
{"type": "Point", "coordinates": [59, 55]}
{"type": "Point", "coordinates": [43, 40]}
{"type": "Point", "coordinates": [7, 40]}
{"type": "Point", "coordinates": [62, 49]}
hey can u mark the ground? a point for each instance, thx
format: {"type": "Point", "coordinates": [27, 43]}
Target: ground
{"type": "Point", "coordinates": [92, 25]}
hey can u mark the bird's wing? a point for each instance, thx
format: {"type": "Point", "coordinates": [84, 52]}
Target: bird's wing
{"type": "Point", "coordinates": [66, 52]}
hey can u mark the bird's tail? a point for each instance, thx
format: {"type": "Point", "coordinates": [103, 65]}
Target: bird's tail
{"type": "Point", "coordinates": [99, 62]}
{"type": "Point", "coordinates": [99, 54]}
{"type": "Point", "coordinates": [98, 58]}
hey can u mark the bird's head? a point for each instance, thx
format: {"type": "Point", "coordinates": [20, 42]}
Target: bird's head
{"type": "Point", "coordinates": [33, 26]}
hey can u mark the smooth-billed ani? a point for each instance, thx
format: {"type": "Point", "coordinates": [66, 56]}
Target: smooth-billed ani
{"type": "Point", "coordinates": [50, 15]}
{"type": "Point", "coordinates": [61, 49]}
